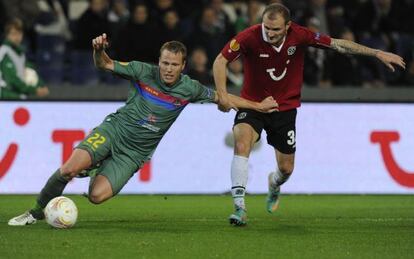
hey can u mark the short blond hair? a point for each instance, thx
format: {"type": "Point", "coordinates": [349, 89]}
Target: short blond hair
{"type": "Point", "coordinates": [273, 9]}
{"type": "Point", "coordinates": [175, 47]}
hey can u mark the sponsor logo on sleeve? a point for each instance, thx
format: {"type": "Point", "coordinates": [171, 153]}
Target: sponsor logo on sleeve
{"type": "Point", "coordinates": [123, 63]}
{"type": "Point", "coordinates": [234, 45]}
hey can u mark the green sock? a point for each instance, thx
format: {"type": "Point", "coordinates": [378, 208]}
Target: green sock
{"type": "Point", "coordinates": [53, 188]}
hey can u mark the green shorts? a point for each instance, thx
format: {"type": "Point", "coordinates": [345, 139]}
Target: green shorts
{"type": "Point", "coordinates": [116, 166]}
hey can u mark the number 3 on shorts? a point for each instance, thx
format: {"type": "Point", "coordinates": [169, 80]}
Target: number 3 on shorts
{"type": "Point", "coordinates": [291, 141]}
{"type": "Point", "coordinates": [96, 140]}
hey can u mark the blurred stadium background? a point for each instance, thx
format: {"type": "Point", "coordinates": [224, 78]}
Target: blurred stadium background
{"type": "Point", "coordinates": [58, 37]}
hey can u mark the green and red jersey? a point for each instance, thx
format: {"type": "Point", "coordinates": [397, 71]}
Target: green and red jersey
{"type": "Point", "coordinates": [151, 107]}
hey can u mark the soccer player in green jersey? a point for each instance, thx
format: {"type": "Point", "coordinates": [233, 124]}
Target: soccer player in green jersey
{"type": "Point", "coordinates": [120, 145]}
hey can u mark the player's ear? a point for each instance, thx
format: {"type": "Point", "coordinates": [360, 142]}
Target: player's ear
{"type": "Point", "coordinates": [288, 25]}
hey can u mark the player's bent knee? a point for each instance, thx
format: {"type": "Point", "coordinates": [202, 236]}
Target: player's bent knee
{"type": "Point", "coordinates": [68, 171]}
{"type": "Point", "coordinates": [96, 199]}
{"type": "Point", "coordinates": [286, 168]}
{"type": "Point", "coordinates": [242, 148]}
{"type": "Point", "coordinates": [100, 191]}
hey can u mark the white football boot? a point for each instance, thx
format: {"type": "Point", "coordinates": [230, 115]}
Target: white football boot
{"type": "Point", "coordinates": [22, 220]}
{"type": "Point", "coordinates": [239, 217]}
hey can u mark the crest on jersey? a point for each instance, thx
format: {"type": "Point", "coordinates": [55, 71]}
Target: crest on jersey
{"type": "Point", "coordinates": [234, 45]}
{"type": "Point", "coordinates": [242, 116]}
{"type": "Point", "coordinates": [149, 122]}
{"type": "Point", "coordinates": [291, 50]}
{"type": "Point", "coordinates": [152, 118]}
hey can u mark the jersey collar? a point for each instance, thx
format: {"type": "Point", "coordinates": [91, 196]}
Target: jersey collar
{"type": "Point", "coordinates": [264, 37]}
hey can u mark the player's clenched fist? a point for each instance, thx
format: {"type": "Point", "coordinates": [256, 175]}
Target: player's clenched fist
{"type": "Point", "coordinates": [269, 105]}
{"type": "Point", "coordinates": [100, 42]}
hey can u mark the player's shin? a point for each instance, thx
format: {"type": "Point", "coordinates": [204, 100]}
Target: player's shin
{"type": "Point", "coordinates": [279, 178]}
{"type": "Point", "coordinates": [276, 179]}
{"type": "Point", "coordinates": [53, 188]}
{"type": "Point", "coordinates": [239, 175]}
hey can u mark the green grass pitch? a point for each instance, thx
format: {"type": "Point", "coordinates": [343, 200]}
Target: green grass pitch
{"type": "Point", "coordinates": [140, 226]}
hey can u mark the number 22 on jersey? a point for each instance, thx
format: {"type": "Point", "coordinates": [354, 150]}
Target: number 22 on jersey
{"type": "Point", "coordinates": [96, 140]}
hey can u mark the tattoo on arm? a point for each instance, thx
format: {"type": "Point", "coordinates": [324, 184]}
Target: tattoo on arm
{"type": "Point", "coordinates": [350, 47]}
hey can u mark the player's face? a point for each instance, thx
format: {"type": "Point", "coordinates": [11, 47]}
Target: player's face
{"type": "Point", "coordinates": [275, 29]}
{"type": "Point", "coordinates": [15, 36]}
{"type": "Point", "coordinates": [171, 65]}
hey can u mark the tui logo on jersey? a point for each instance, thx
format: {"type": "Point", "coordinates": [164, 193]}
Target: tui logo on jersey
{"type": "Point", "coordinates": [275, 77]}
{"type": "Point", "coordinates": [291, 50]}
{"type": "Point", "coordinates": [272, 71]}
{"type": "Point", "coordinates": [234, 45]}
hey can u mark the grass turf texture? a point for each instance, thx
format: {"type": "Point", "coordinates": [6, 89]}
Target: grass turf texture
{"type": "Point", "coordinates": [315, 226]}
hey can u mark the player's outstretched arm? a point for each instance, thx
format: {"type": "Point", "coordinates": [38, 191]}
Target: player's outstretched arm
{"type": "Point", "coordinates": [267, 105]}
{"type": "Point", "coordinates": [350, 47]}
{"type": "Point", "coordinates": [100, 58]}
{"type": "Point", "coordinates": [220, 78]}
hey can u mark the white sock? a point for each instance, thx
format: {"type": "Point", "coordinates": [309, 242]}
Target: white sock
{"type": "Point", "coordinates": [239, 174]}
{"type": "Point", "coordinates": [279, 178]}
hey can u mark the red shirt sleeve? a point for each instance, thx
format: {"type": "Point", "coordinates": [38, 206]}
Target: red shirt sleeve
{"type": "Point", "coordinates": [235, 47]}
{"type": "Point", "coordinates": [316, 39]}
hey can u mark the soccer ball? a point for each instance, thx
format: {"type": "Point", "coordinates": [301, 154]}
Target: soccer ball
{"type": "Point", "coordinates": [61, 212]}
{"type": "Point", "coordinates": [31, 78]}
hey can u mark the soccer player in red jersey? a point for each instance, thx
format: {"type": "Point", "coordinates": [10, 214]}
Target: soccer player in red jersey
{"type": "Point", "coordinates": [273, 57]}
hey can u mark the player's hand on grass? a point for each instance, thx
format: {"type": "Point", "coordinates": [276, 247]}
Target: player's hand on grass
{"type": "Point", "coordinates": [268, 105]}
{"type": "Point", "coordinates": [390, 60]}
{"type": "Point", "coordinates": [100, 42]}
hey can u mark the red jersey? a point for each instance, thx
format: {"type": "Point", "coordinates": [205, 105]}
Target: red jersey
{"type": "Point", "coordinates": [270, 70]}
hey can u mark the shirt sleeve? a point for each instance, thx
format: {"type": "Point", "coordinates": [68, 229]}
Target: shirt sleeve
{"type": "Point", "coordinates": [202, 94]}
{"type": "Point", "coordinates": [315, 39]}
{"type": "Point", "coordinates": [235, 47]}
{"type": "Point", "coordinates": [130, 70]}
